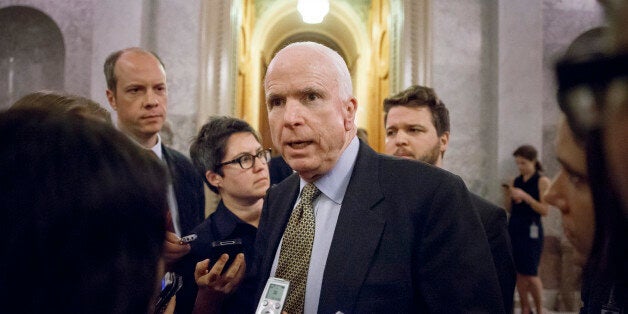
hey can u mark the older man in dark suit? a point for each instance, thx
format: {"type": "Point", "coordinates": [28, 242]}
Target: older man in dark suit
{"type": "Point", "coordinates": [380, 234]}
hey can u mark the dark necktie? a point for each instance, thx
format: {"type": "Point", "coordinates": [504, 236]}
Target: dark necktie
{"type": "Point", "coordinates": [296, 249]}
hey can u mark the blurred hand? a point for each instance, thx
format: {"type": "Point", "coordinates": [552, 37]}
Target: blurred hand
{"type": "Point", "coordinates": [171, 305]}
{"type": "Point", "coordinates": [518, 194]}
{"type": "Point", "coordinates": [173, 249]}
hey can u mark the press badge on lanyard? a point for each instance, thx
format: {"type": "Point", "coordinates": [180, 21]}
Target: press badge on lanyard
{"type": "Point", "coordinates": [534, 231]}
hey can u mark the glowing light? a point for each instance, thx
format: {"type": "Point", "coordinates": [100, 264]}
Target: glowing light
{"type": "Point", "coordinates": [313, 11]}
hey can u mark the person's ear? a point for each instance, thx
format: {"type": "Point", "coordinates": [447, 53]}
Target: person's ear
{"type": "Point", "coordinates": [350, 108]}
{"type": "Point", "coordinates": [213, 178]}
{"type": "Point", "coordinates": [111, 97]}
{"type": "Point", "coordinates": [444, 141]}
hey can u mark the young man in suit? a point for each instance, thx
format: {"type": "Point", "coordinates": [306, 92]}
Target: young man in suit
{"type": "Point", "coordinates": [387, 235]}
{"type": "Point", "coordinates": [417, 127]}
{"type": "Point", "coordinates": [137, 91]}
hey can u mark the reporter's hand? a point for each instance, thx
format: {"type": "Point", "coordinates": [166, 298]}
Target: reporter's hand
{"type": "Point", "coordinates": [213, 280]}
{"type": "Point", "coordinates": [172, 304]}
{"type": "Point", "coordinates": [173, 249]}
{"type": "Point", "coordinates": [213, 286]}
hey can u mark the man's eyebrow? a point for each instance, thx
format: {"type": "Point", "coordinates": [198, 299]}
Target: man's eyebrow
{"type": "Point", "coordinates": [312, 90]}
{"type": "Point", "coordinates": [309, 89]}
{"type": "Point", "coordinates": [272, 96]}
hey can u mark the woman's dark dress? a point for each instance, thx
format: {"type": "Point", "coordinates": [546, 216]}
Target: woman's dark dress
{"type": "Point", "coordinates": [527, 240]}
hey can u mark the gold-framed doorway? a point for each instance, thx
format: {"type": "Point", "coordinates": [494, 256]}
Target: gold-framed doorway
{"type": "Point", "coordinates": [362, 38]}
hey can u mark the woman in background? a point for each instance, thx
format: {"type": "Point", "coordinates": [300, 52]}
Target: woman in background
{"type": "Point", "coordinates": [526, 231]}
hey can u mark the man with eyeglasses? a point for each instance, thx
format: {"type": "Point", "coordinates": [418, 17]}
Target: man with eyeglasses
{"type": "Point", "coordinates": [228, 155]}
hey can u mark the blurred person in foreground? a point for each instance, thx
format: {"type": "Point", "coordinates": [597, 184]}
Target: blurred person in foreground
{"type": "Point", "coordinates": [592, 95]}
{"type": "Point", "coordinates": [377, 234]}
{"type": "Point", "coordinates": [83, 216]}
{"type": "Point", "coordinates": [417, 127]}
{"type": "Point", "coordinates": [64, 103]}
{"type": "Point", "coordinates": [614, 108]}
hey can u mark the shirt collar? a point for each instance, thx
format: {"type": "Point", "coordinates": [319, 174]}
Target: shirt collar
{"type": "Point", "coordinates": [157, 148]}
{"type": "Point", "coordinates": [334, 183]}
{"type": "Point", "coordinates": [225, 221]}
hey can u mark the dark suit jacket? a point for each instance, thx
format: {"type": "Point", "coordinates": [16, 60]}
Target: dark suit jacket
{"type": "Point", "coordinates": [188, 189]}
{"type": "Point", "coordinates": [278, 170]}
{"type": "Point", "coordinates": [496, 228]}
{"type": "Point", "coordinates": [407, 240]}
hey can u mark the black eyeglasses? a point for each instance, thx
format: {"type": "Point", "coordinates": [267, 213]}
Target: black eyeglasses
{"type": "Point", "coordinates": [583, 89]}
{"type": "Point", "coordinates": [247, 160]}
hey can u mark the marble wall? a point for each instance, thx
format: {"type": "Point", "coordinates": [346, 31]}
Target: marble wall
{"type": "Point", "coordinates": [563, 21]}
{"type": "Point", "coordinates": [32, 51]}
{"type": "Point", "coordinates": [493, 68]}
{"type": "Point", "coordinates": [91, 30]}
{"type": "Point", "coordinates": [461, 42]}
{"type": "Point", "coordinates": [75, 23]}
{"type": "Point", "coordinates": [491, 64]}
{"type": "Point", "coordinates": [175, 34]}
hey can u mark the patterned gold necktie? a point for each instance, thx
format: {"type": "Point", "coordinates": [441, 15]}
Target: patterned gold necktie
{"type": "Point", "coordinates": [296, 249]}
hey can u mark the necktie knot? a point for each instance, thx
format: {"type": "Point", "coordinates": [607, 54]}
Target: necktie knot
{"type": "Point", "coordinates": [309, 193]}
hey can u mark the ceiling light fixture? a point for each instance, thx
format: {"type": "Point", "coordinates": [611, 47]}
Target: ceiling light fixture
{"type": "Point", "coordinates": [313, 11]}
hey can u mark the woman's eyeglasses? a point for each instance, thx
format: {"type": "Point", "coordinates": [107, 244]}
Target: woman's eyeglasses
{"type": "Point", "coordinates": [247, 160]}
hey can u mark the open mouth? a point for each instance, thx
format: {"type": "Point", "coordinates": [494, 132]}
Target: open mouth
{"type": "Point", "coordinates": [299, 145]}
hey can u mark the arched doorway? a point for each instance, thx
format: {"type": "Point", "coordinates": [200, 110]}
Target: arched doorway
{"type": "Point", "coordinates": [32, 54]}
{"type": "Point", "coordinates": [352, 33]}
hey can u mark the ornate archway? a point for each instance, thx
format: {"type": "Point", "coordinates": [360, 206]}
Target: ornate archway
{"type": "Point", "coordinates": [344, 29]}
{"type": "Point", "coordinates": [32, 54]}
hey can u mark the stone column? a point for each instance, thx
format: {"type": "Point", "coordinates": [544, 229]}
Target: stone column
{"type": "Point", "coordinates": [117, 25]}
{"type": "Point", "coordinates": [519, 84]}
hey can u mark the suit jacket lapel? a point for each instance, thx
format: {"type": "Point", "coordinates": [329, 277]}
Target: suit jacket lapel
{"type": "Point", "coordinates": [168, 161]}
{"type": "Point", "coordinates": [284, 204]}
{"type": "Point", "coordinates": [174, 180]}
{"type": "Point", "coordinates": [356, 237]}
